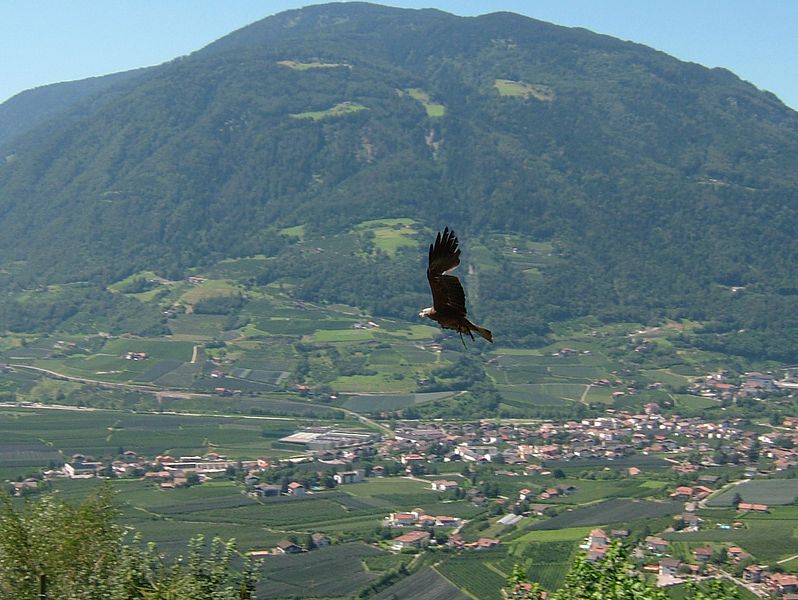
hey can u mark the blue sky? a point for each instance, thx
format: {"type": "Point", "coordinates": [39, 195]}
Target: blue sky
{"type": "Point", "coordinates": [47, 41]}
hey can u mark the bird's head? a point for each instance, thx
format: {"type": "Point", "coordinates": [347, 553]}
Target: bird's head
{"type": "Point", "coordinates": [426, 312]}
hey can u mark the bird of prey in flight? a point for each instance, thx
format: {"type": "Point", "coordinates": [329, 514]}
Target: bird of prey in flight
{"type": "Point", "coordinates": [448, 299]}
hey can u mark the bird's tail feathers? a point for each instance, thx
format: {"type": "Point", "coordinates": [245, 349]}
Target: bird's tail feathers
{"type": "Point", "coordinates": [484, 333]}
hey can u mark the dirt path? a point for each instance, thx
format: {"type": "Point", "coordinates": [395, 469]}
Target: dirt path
{"type": "Point", "coordinates": [583, 397]}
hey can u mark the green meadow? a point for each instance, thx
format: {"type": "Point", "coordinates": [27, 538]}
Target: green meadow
{"type": "Point", "coordinates": [339, 110]}
{"type": "Point", "coordinates": [433, 108]}
{"type": "Point", "coordinates": [507, 87]}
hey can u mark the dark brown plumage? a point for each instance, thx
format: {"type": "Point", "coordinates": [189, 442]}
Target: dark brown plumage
{"type": "Point", "coordinates": [448, 299]}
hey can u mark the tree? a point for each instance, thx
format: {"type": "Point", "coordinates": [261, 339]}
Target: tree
{"type": "Point", "coordinates": [609, 578]}
{"type": "Point", "coordinates": [85, 554]}
{"type": "Point", "coordinates": [518, 586]}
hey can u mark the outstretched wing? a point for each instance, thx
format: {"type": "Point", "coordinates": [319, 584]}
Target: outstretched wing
{"type": "Point", "coordinates": [447, 292]}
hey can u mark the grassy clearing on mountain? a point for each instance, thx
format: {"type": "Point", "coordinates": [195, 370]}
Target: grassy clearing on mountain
{"type": "Point", "coordinates": [339, 110]}
{"type": "Point", "coordinates": [208, 289]}
{"type": "Point", "coordinates": [390, 234]}
{"type": "Point", "coordinates": [433, 108]}
{"type": "Point", "coordinates": [507, 87]}
{"type": "Point", "coordinates": [237, 268]}
{"type": "Point", "coordinates": [304, 66]}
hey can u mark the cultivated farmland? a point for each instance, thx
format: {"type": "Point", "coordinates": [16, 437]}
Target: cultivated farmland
{"type": "Point", "coordinates": [332, 571]}
{"type": "Point", "coordinates": [762, 491]}
{"type": "Point", "coordinates": [609, 512]}
{"type": "Point", "coordinates": [425, 583]}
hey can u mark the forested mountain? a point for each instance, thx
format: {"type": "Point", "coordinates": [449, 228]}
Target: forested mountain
{"type": "Point", "coordinates": [33, 107]}
{"type": "Point", "coordinates": [666, 188]}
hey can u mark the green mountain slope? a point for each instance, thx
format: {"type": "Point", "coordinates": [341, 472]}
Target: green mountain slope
{"type": "Point", "coordinates": [34, 107]}
{"type": "Point", "coordinates": [660, 185]}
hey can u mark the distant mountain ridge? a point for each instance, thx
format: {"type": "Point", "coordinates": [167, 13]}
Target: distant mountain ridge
{"type": "Point", "coordinates": [30, 108]}
{"type": "Point", "coordinates": [662, 184]}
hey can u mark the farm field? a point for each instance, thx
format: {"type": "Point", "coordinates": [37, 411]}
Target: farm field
{"type": "Point", "coordinates": [767, 540]}
{"type": "Point", "coordinates": [332, 571]}
{"type": "Point", "coordinates": [376, 403]}
{"type": "Point", "coordinates": [545, 562]}
{"type": "Point", "coordinates": [423, 584]}
{"type": "Point", "coordinates": [591, 490]}
{"type": "Point", "coordinates": [174, 515]}
{"type": "Point", "coordinates": [570, 534]}
{"type": "Point", "coordinates": [762, 491]}
{"type": "Point", "coordinates": [477, 573]}
{"type": "Point", "coordinates": [378, 361]}
{"type": "Point", "coordinates": [679, 592]}
{"type": "Point", "coordinates": [609, 512]}
{"type": "Point", "coordinates": [32, 437]}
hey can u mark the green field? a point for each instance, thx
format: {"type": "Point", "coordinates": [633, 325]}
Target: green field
{"type": "Point", "coordinates": [609, 512]}
{"type": "Point", "coordinates": [541, 92]}
{"type": "Point", "coordinates": [391, 234]}
{"type": "Point", "coordinates": [680, 592]}
{"type": "Point", "coordinates": [304, 66]}
{"type": "Point", "coordinates": [762, 491]}
{"type": "Point", "coordinates": [222, 507]}
{"type": "Point", "coordinates": [767, 540]}
{"type": "Point", "coordinates": [545, 562]}
{"type": "Point", "coordinates": [208, 289]}
{"type": "Point", "coordinates": [328, 572]}
{"type": "Point", "coordinates": [590, 490]}
{"type": "Point", "coordinates": [553, 535]}
{"type": "Point", "coordinates": [36, 436]}
{"type": "Point", "coordinates": [433, 109]}
{"type": "Point", "coordinates": [376, 403]}
{"type": "Point", "coordinates": [477, 573]}
{"type": "Point", "coordinates": [423, 584]}
{"type": "Point", "coordinates": [339, 110]}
